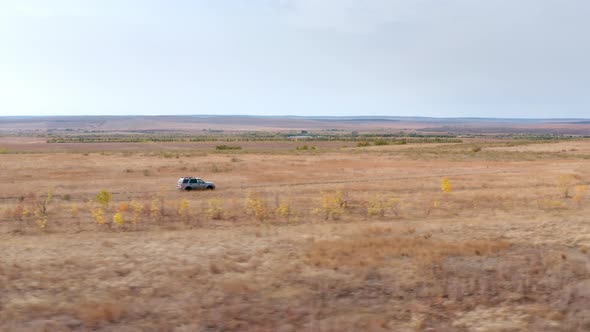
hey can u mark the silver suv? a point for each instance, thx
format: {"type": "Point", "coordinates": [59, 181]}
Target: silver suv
{"type": "Point", "coordinates": [191, 183]}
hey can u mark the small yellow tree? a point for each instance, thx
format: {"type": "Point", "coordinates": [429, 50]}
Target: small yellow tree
{"type": "Point", "coordinates": [118, 218]}
{"type": "Point", "coordinates": [215, 208]}
{"type": "Point", "coordinates": [256, 206]}
{"type": "Point", "coordinates": [332, 205]}
{"type": "Point", "coordinates": [284, 210]}
{"type": "Point", "coordinates": [184, 209]}
{"type": "Point", "coordinates": [445, 185]}
{"type": "Point", "coordinates": [39, 208]}
{"type": "Point", "coordinates": [137, 211]}
{"type": "Point", "coordinates": [104, 198]}
{"type": "Point", "coordinates": [155, 211]}
{"type": "Point", "coordinates": [378, 206]}
{"type": "Point", "coordinates": [98, 215]}
{"type": "Point", "coordinates": [41, 220]}
{"type": "Point", "coordinates": [123, 207]}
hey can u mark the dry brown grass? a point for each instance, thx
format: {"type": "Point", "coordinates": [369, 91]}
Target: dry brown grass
{"type": "Point", "coordinates": [376, 246]}
{"type": "Point", "coordinates": [504, 251]}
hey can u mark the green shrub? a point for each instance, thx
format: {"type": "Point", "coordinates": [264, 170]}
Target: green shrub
{"type": "Point", "coordinates": [104, 198]}
{"type": "Point", "coordinates": [381, 142]}
{"type": "Point", "coordinates": [228, 147]}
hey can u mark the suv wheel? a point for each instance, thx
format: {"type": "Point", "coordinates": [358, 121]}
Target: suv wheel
{"type": "Point", "coordinates": [188, 188]}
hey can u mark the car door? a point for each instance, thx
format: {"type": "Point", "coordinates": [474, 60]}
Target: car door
{"type": "Point", "coordinates": [201, 184]}
{"type": "Point", "coordinates": [194, 183]}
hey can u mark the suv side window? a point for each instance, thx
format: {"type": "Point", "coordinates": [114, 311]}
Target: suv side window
{"type": "Point", "coordinates": [193, 180]}
{"type": "Point", "coordinates": [201, 181]}
{"type": "Point", "coordinates": [185, 181]}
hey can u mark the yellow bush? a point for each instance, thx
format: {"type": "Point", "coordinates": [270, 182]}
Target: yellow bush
{"type": "Point", "coordinates": [378, 205]}
{"type": "Point", "coordinates": [123, 207]}
{"type": "Point", "coordinates": [24, 212]}
{"type": "Point", "coordinates": [41, 220]}
{"type": "Point", "coordinates": [184, 208]}
{"type": "Point", "coordinates": [332, 205]}
{"type": "Point", "coordinates": [215, 208]}
{"type": "Point", "coordinates": [119, 219]}
{"type": "Point", "coordinates": [446, 185]}
{"type": "Point", "coordinates": [104, 198]}
{"type": "Point", "coordinates": [98, 215]}
{"type": "Point", "coordinates": [256, 206]}
{"type": "Point", "coordinates": [38, 208]}
{"type": "Point", "coordinates": [284, 210]}
{"type": "Point", "coordinates": [155, 211]}
{"type": "Point", "coordinates": [137, 211]}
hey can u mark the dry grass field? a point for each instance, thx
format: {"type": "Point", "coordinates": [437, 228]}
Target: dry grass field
{"type": "Point", "coordinates": [472, 236]}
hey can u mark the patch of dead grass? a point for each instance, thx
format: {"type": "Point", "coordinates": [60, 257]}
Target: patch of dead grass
{"type": "Point", "coordinates": [374, 247]}
{"type": "Point", "coordinates": [95, 313]}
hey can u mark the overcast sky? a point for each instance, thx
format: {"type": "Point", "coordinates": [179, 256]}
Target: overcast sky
{"type": "Point", "coordinates": [484, 58]}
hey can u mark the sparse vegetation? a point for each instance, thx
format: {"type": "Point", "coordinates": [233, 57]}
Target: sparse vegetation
{"type": "Point", "coordinates": [155, 211]}
{"type": "Point", "coordinates": [284, 211]}
{"type": "Point", "coordinates": [228, 147]}
{"type": "Point", "coordinates": [446, 186]}
{"type": "Point", "coordinates": [363, 144]}
{"type": "Point", "coordinates": [381, 142]}
{"type": "Point", "coordinates": [379, 206]}
{"type": "Point", "coordinates": [441, 236]}
{"type": "Point", "coordinates": [215, 208]}
{"type": "Point", "coordinates": [256, 206]}
{"type": "Point", "coordinates": [118, 218]}
{"type": "Point", "coordinates": [580, 193]}
{"type": "Point", "coordinates": [333, 205]}
{"type": "Point", "coordinates": [104, 198]}
{"type": "Point", "coordinates": [183, 210]}
{"type": "Point", "coordinates": [99, 215]}
{"type": "Point", "coordinates": [137, 209]}
{"type": "Point", "coordinates": [565, 183]}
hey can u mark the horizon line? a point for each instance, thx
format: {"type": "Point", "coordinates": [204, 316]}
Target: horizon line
{"type": "Point", "coordinates": [289, 116]}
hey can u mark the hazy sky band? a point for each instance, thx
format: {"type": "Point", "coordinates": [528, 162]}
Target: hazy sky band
{"type": "Point", "coordinates": [525, 58]}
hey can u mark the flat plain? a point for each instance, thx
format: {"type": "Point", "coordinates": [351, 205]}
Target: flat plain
{"type": "Point", "coordinates": [486, 234]}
